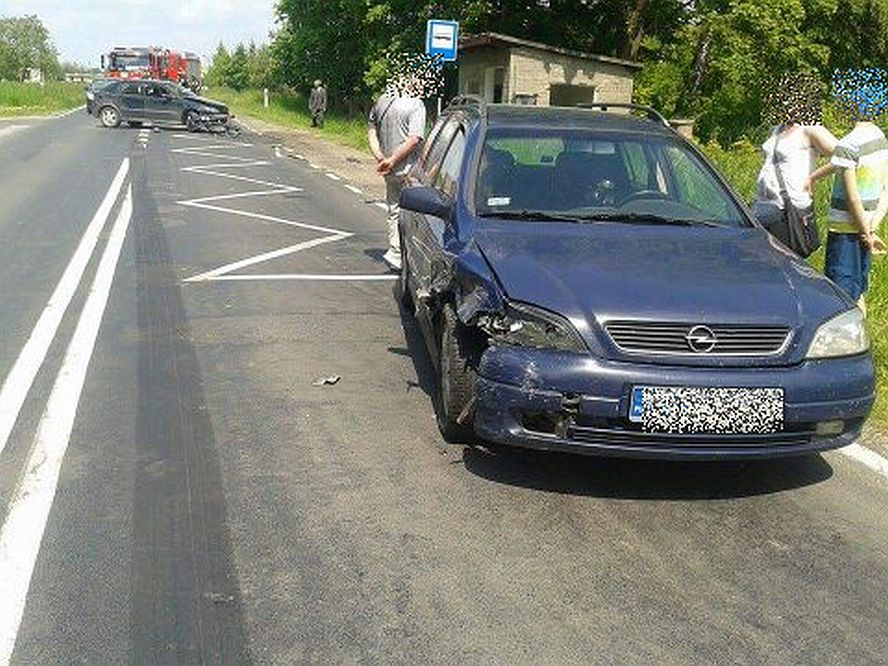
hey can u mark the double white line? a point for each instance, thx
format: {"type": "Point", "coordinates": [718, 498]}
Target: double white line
{"type": "Point", "coordinates": [22, 531]}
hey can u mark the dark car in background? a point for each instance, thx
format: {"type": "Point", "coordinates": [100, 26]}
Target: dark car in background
{"type": "Point", "coordinates": [91, 90]}
{"type": "Point", "coordinates": [586, 281]}
{"type": "Point", "coordinates": [139, 101]}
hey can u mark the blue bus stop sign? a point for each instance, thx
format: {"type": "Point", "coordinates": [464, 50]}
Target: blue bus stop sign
{"type": "Point", "coordinates": [442, 38]}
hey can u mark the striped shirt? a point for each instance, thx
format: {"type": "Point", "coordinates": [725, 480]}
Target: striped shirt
{"type": "Point", "coordinates": [864, 149]}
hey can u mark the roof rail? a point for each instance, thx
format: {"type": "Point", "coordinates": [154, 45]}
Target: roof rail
{"type": "Point", "coordinates": [469, 100]}
{"type": "Point", "coordinates": [651, 113]}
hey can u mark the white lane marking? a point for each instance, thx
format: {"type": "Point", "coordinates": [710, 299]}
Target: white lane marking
{"type": "Point", "coordinates": [313, 165]}
{"type": "Point", "coordinates": [32, 500]}
{"type": "Point", "coordinates": [307, 277]}
{"type": "Point", "coordinates": [223, 273]}
{"type": "Point", "coordinates": [11, 129]}
{"type": "Point", "coordinates": [258, 259]}
{"type": "Point", "coordinates": [382, 205]}
{"type": "Point", "coordinates": [68, 113]}
{"type": "Point", "coordinates": [866, 456]}
{"type": "Point", "coordinates": [352, 188]}
{"type": "Point", "coordinates": [298, 156]}
{"type": "Point", "coordinates": [332, 176]}
{"type": "Point", "coordinates": [30, 359]}
{"type": "Point", "coordinates": [277, 151]}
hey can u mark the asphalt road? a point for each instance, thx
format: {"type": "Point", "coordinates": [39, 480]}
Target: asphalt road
{"type": "Point", "coordinates": [205, 503]}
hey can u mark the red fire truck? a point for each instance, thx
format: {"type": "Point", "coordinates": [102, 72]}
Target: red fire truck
{"type": "Point", "coordinates": [155, 63]}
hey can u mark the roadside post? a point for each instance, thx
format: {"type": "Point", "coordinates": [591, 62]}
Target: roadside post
{"type": "Point", "coordinates": [442, 40]}
{"type": "Point", "coordinates": [265, 97]}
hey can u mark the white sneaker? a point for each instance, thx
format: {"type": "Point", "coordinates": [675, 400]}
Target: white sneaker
{"type": "Point", "coordinates": [393, 259]}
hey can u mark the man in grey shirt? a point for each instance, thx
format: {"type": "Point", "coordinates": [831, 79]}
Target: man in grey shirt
{"type": "Point", "coordinates": [396, 127]}
{"type": "Point", "coordinates": [317, 104]}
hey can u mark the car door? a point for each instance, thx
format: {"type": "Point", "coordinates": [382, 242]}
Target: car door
{"type": "Point", "coordinates": [162, 107]}
{"type": "Point", "coordinates": [415, 247]}
{"type": "Point", "coordinates": [132, 101]}
{"type": "Point", "coordinates": [430, 233]}
{"type": "Point", "coordinates": [172, 106]}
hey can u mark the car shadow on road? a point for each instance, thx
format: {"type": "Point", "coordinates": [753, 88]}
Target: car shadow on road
{"type": "Point", "coordinates": [642, 479]}
{"type": "Point", "coordinates": [416, 350]}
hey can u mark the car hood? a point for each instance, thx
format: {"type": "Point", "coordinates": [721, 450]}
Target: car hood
{"type": "Point", "coordinates": [204, 101]}
{"type": "Point", "coordinates": [594, 273]}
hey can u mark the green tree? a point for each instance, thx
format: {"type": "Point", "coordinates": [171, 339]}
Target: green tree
{"type": "Point", "coordinates": [721, 63]}
{"type": "Point", "coordinates": [217, 74]}
{"type": "Point", "coordinates": [259, 67]}
{"type": "Point", "coordinates": [238, 76]}
{"type": "Point", "coordinates": [322, 39]}
{"type": "Point", "coordinates": [25, 43]}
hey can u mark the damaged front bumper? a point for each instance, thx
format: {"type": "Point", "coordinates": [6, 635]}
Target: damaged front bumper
{"type": "Point", "coordinates": [565, 401]}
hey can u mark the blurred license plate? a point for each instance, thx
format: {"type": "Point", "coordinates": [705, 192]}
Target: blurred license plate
{"type": "Point", "coordinates": [687, 410]}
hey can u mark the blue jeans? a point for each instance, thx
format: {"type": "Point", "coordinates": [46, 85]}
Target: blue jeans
{"type": "Point", "coordinates": [848, 263]}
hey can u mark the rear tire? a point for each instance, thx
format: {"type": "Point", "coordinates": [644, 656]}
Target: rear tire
{"type": "Point", "coordinates": [109, 116]}
{"type": "Point", "coordinates": [457, 376]}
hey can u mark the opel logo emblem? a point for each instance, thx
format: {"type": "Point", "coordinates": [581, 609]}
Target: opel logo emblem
{"type": "Point", "coordinates": [701, 339]}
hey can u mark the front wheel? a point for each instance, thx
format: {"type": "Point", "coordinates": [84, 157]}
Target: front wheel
{"type": "Point", "coordinates": [457, 376]}
{"type": "Point", "coordinates": [109, 116]}
{"type": "Point", "coordinates": [191, 121]}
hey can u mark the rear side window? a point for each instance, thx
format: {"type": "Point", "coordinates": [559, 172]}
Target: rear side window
{"type": "Point", "coordinates": [448, 175]}
{"type": "Point", "coordinates": [131, 89]}
{"type": "Point", "coordinates": [530, 151]}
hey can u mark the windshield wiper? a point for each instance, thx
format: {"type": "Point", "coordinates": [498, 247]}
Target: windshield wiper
{"type": "Point", "coordinates": [628, 218]}
{"type": "Point", "coordinates": [646, 218]}
{"type": "Point", "coordinates": [533, 215]}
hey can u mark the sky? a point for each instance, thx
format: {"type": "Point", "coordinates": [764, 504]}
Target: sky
{"type": "Point", "coordinates": [83, 29]}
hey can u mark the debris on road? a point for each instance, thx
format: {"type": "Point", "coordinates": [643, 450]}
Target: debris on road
{"type": "Point", "coordinates": [326, 381]}
{"type": "Point", "coordinates": [219, 599]}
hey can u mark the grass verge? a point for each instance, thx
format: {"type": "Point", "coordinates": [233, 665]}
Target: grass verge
{"type": "Point", "coordinates": [291, 110]}
{"type": "Point", "coordinates": [31, 99]}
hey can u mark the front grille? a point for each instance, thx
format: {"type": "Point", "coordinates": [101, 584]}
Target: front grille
{"type": "Point", "coordinates": [697, 340]}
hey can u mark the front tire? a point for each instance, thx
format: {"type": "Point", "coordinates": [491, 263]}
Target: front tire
{"type": "Point", "coordinates": [191, 121]}
{"type": "Point", "coordinates": [109, 116]}
{"type": "Point", "coordinates": [457, 376]}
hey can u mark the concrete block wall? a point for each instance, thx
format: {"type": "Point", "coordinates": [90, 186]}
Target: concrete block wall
{"type": "Point", "coordinates": [532, 72]}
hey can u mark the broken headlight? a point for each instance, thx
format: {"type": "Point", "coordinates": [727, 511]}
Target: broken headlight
{"type": "Point", "coordinates": [525, 325]}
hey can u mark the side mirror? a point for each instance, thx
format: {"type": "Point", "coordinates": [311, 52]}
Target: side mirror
{"type": "Point", "coordinates": [428, 200]}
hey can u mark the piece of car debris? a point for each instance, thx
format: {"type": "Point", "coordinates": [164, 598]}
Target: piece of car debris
{"type": "Point", "coordinates": [219, 599]}
{"type": "Point", "coordinates": [326, 381]}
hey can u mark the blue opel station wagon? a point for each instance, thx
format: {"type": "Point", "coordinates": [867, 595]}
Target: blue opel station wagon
{"type": "Point", "coordinates": [585, 280]}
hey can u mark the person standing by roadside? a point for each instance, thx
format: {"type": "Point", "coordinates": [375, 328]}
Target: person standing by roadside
{"type": "Point", "coordinates": [784, 183]}
{"type": "Point", "coordinates": [858, 203]}
{"type": "Point", "coordinates": [396, 127]}
{"type": "Point", "coordinates": [317, 104]}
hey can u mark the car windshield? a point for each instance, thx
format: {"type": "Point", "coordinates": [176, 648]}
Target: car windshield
{"type": "Point", "coordinates": [129, 61]}
{"type": "Point", "coordinates": [581, 175]}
